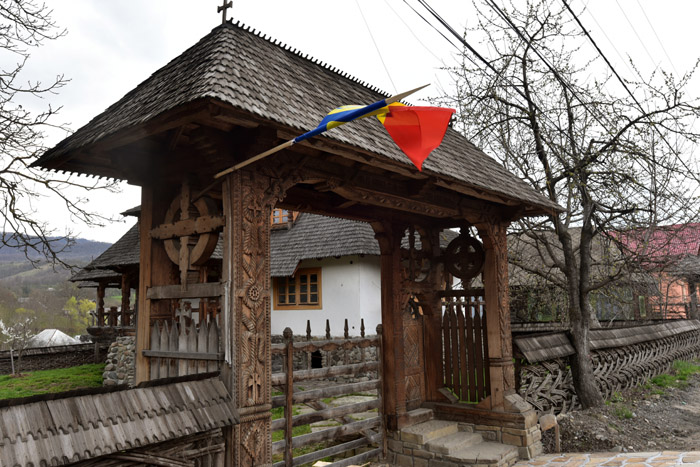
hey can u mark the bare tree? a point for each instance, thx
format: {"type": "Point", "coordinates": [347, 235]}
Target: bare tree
{"type": "Point", "coordinates": [553, 114]}
{"type": "Point", "coordinates": [25, 25]}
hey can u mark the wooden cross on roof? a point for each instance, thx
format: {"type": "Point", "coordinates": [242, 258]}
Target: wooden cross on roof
{"type": "Point", "coordinates": [222, 9]}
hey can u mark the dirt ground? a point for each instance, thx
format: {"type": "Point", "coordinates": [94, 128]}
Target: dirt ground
{"type": "Point", "coordinates": [638, 420]}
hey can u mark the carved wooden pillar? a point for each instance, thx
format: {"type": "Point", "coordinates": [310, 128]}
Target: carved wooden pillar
{"type": "Point", "coordinates": [246, 316]}
{"type": "Point", "coordinates": [500, 347]}
{"type": "Point", "coordinates": [126, 297]}
{"type": "Point", "coordinates": [100, 304]}
{"type": "Point", "coordinates": [431, 305]}
{"type": "Point", "coordinates": [393, 370]}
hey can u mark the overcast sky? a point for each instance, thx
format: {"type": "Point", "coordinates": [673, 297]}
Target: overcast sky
{"type": "Point", "coordinates": [113, 46]}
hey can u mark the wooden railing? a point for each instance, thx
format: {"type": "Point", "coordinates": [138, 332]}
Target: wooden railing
{"type": "Point", "coordinates": [369, 433]}
{"type": "Point", "coordinates": [112, 317]}
{"type": "Point", "coordinates": [180, 348]}
{"type": "Point", "coordinates": [465, 345]}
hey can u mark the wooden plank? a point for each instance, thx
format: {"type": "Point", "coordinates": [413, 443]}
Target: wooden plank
{"type": "Point", "coordinates": [155, 345]}
{"type": "Point", "coordinates": [165, 292]}
{"type": "Point", "coordinates": [327, 414]}
{"type": "Point", "coordinates": [333, 450]}
{"type": "Point", "coordinates": [447, 347]}
{"type": "Point", "coordinates": [454, 351]}
{"type": "Point", "coordinates": [213, 344]}
{"type": "Point", "coordinates": [336, 432]}
{"type": "Point", "coordinates": [182, 345]}
{"type": "Point", "coordinates": [183, 355]}
{"type": "Point", "coordinates": [278, 379]}
{"type": "Point", "coordinates": [331, 391]}
{"type": "Point", "coordinates": [463, 353]}
{"type": "Point", "coordinates": [143, 334]}
{"type": "Point", "coordinates": [479, 355]}
{"type": "Point", "coordinates": [472, 351]}
{"type": "Point", "coordinates": [360, 459]}
{"type": "Point", "coordinates": [334, 344]}
{"type": "Point", "coordinates": [183, 228]}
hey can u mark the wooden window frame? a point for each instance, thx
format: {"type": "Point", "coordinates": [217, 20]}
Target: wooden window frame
{"type": "Point", "coordinates": [297, 276]}
{"type": "Point", "coordinates": [277, 214]}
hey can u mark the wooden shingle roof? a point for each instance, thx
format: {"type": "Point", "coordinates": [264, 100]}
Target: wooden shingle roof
{"type": "Point", "coordinates": [536, 348]}
{"type": "Point", "coordinates": [241, 69]}
{"type": "Point", "coordinates": [72, 429]}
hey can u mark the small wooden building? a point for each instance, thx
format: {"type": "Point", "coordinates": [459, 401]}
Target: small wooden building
{"type": "Point", "coordinates": [236, 93]}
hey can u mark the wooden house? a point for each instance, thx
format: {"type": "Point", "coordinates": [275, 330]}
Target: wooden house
{"type": "Point", "coordinates": [227, 98]}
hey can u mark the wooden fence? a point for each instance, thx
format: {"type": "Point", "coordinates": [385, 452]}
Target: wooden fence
{"type": "Point", "coordinates": [465, 346]}
{"type": "Point", "coordinates": [621, 358]}
{"type": "Point", "coordinates": [181, 347]}
{"type": "Point", "coordinates": [368, 434]}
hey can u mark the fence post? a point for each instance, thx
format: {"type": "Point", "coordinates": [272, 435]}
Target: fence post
{"type": "Point", "coordinates": [329, 356]}
{"type": "Point", "coordinates": [362, 335]}
{"type": "Point", "coordinates": [381, 389]}
{"type": "Point", "coordinates": [346, 335]}
{"type": "Point", "coordinates": [308, 339]}
{"type": "Point", "coordinates": [289, 389]}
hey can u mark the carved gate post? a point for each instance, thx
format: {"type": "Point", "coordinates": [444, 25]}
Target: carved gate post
{"type": "Point", "coordinates": [246, 313]}
{"type": "Point", "coordinates": [500, 347]}
{"type": "Point", "coordinates": [393, 368]}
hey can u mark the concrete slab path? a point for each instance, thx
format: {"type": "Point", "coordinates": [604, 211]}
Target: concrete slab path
{"type": "Point", "coordinates": [614, 459]}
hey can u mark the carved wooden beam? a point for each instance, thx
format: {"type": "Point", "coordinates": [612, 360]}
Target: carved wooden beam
{"type": "Point", "coordinates": [183, 228]}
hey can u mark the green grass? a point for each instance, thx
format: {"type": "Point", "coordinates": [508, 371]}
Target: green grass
{"type": "Point", "coordinates": [623, 412]}
{"type": "Point", "coordinates": [50, 381]}
{"type": "Point", "coordinates": [678, 378]}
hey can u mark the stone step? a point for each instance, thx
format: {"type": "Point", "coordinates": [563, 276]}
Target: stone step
{"type": "Point", "coordinates": [486, 453]}
{"type": "Point", "coordinates": [428, 431]}
{"type": "Point", "coordinates": [452, 443]}
{"type": "Point", "coordinates": [417, 416]}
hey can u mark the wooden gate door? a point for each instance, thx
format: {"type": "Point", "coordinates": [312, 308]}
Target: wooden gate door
{"type": "Point", "coordinates": [465, 345]}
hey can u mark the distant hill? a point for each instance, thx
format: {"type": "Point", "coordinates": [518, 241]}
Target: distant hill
{"type": "Point", "coordinates": [82, 251]}
{"type": "Point", "coordinates": [16, 270]}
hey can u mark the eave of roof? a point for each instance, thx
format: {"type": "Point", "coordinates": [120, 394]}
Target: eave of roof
{"type": "Point", "coordinates": [247, 71]}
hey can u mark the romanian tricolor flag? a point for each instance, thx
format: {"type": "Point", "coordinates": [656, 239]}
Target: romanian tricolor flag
{"type": "Point", "coordinates": [417, 131]}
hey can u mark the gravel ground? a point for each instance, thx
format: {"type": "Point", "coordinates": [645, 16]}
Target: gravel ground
{"type": "Point", "coordinates": [638, 420]}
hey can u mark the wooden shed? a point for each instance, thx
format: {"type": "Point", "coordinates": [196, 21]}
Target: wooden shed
{"type": "Point", "coordinates": [236, 93]}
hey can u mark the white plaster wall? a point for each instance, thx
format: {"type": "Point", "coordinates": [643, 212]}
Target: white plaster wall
{"type": "Point", "coordinates": [350, 289]}
{"type": "Point", "coordinates": [370, 293]}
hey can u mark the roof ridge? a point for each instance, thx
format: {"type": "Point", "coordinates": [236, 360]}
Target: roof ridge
{"type": "Point", "coordinates": [287, 47]}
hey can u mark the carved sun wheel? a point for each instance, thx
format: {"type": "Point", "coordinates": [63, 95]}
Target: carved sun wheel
{"type": "Point", "coordinates": [464, 257]}
{"type": "Point", "coordinates": [190, 231]}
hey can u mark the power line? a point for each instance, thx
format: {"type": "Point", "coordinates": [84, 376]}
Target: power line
{"type": "Point", "coordinates": [375, 45]}
{"type": "Point", "coordinates": [639, 106]}
{"type": "Point", "coordinates": [431, 25]}
{"type": "Point", "coordinates": [415, 36]}
{"type": "Point", "coordinates": [657, 37]}
{"type": "Point", "coordinates": [551, 68]}
{"type": "Point", "coordinates": [635, 31]}
{"type": "Point", "coordinates": [624, 60]}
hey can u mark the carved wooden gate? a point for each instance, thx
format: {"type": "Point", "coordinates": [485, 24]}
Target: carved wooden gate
{"type": "Point", "coordinates": [465, 346]}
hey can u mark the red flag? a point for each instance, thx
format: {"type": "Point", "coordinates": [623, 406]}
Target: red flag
{"type": "Point", "coordinates": [417, 130]}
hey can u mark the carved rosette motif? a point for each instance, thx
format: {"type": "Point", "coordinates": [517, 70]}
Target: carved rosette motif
{"type": "Point", "coordinates": [250, 291]}
{"type": "Point", "coordinates": [253, 285]}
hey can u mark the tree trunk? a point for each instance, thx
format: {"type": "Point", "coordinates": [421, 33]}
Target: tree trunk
{"type": "Point", "coordinates": [580, 315]}
{"type": "Point", "coordinates": [582, 367]}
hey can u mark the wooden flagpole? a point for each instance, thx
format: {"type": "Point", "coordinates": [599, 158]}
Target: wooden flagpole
{"type": "Point", "coordinates": [289, 143]}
